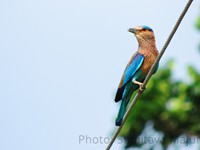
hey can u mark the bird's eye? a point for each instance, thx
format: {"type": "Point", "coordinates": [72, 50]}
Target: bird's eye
{"type": "Point", "coordinates": [144, 29]}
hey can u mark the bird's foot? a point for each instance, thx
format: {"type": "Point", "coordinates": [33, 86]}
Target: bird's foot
{"type": "Point", "coordinates": [141, 89]}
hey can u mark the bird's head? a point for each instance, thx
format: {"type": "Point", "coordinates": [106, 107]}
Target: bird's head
{"type": "Point", "coordinates": [143, 33]}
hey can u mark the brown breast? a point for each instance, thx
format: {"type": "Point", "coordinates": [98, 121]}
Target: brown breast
{"type": "Point", "coordinates": [149, 59]}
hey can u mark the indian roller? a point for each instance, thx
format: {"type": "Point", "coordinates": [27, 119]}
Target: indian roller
{"type": "Point", "coordinates": [137, 68]}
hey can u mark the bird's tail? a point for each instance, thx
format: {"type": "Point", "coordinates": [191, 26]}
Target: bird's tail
{"type": "Point", "coordinates": [121, 113]}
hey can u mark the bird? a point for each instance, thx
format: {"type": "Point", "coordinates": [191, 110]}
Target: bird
{"type": "Point", "coordinates": [137, 68]}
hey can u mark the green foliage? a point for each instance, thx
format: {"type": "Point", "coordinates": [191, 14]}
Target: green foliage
{"type": "Point", "coordinates": [198, 26]}
{"type": "Point", "coordinates": [173, 106]}
{"type": "Point", "coordinates": [198, 23]}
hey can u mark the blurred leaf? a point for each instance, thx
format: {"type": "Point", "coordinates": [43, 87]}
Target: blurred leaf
{"type": "Point", "coordinates": [198, 23]}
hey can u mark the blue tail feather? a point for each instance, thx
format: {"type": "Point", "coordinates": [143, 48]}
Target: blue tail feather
{"type": "Point", "coordinates": [122, 111]}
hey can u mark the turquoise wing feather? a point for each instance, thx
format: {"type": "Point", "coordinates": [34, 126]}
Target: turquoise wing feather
{"type": "Point", "coordinates": [133, 66]}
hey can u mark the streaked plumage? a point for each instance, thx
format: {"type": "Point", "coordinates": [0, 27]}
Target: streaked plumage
{"type": "Point", "coordinates": [137, 68]}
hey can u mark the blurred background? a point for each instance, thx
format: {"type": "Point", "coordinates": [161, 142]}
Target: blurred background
{"type": "Point", "coordinates": [61, 62]}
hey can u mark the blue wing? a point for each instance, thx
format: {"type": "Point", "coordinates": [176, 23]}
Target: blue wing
{"type": "Point", "coordinates": [133, 65]}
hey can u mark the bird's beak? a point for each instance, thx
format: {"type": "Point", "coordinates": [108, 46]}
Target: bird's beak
{"type": "Point", "coordinates": [132, 30]}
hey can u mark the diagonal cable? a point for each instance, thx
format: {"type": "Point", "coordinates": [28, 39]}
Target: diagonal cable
{"type": "Point", "coordinates": [150, 72]}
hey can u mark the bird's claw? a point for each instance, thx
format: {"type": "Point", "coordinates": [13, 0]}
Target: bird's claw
{"type": "Point", "coordinates": [141, 88]}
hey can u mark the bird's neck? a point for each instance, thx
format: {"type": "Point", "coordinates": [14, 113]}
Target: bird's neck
{"type": "Point", "coordinates": [147, 46]}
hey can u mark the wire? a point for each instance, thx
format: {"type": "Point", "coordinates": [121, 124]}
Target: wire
{"type": "Point", "coordinates": [150, 72]}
